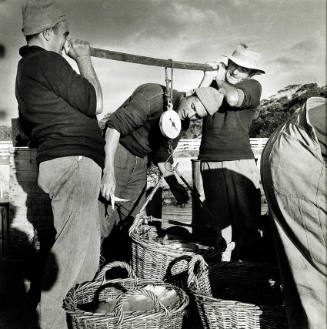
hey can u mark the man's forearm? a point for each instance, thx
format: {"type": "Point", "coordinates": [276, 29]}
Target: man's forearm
{"type": "Point", "coordinates": [86, 69]}
{"type": "Point", "coordinates": [112, 141]}
{"type": "Point", "coordinates": [233, 96]}
{"type": "Point", "coordinates": [165, 168]}
{"type": "Point", "coordinates": [206, 80]}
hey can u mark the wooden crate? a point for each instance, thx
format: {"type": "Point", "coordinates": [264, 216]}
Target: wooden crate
{"type": "Point", "coordinates": [29, 208]}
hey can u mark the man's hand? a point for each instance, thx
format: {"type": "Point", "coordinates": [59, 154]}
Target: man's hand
{"type": "Point", "coordinates": [76, 48]}
{"type": "Point", "coordinates": [108, 184]}
{"type": "Point", "coordinates": [212, 74]}
{"type": "Point", "coordinates": [221, 75]}
{"type": "Point", "coordinates": [178, 190]}
{"type": "Point", "coordinates": [208, 76]}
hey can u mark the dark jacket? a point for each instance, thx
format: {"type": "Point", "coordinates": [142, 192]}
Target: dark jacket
{"type": "Point", "coordinates": [57, 107]}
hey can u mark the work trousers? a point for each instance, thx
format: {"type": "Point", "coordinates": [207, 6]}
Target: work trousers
{"type": "Point", "coordinates": [130, 174]}
{"type": "Point", "coordinates": [232, 196]}
{"type": "Point", "coordinates": [294, 180]}
{"type": "Point", "coordinates": [73, 184]}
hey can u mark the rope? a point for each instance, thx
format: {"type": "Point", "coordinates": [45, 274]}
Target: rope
{"type": "Point", "coordinates": [169, 86]}
{"type": "Point", "coordinates": [169, 103]}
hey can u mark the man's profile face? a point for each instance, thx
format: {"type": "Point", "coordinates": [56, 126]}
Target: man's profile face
{"type": "Point", "coordinates": [59, 37]}
{"type": "Point", "coordinates": [191, 108]}
{"type": "Point", "coordinates": [236, 73]}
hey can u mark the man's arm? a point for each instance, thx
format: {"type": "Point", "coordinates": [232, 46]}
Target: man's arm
{"type": "Point", "coordinates": [166, 168]}
{"type": "Point", "coordinates": [108, 183]}
{"type": "Point", "coordinates": [234, 96]}
{"type": "Point", "coordinates": [178, 190]}
{"type": "Point", "coordinates": [80, 52]}
{"type": "Point", "coordinates": [209, 76]}
{"type": "Point", "coordinates": [87, 71]}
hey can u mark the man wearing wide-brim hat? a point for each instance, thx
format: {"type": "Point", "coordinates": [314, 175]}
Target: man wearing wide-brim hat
{"type": "Point", "coordinates": [57, 111]}
{"type": "Point", "coordinates": [228, 168]}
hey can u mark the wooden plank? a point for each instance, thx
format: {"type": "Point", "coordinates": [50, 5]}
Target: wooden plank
{"type": "Point", "coordinates": [25, 164]}
{"type": "Point", "coordinates": [29, 206]}
{"type": "Point", "coordinates": [130, 58]}
{"type": "Point", "coordinates": [33, 210]}
{"type": "Point", "coordinates": [16, 188]}
{"type": "Point", "coordinates": [4, 183]}
{"type": "Point", "coordinates": [31, 199]}
{"type": "Point", "coordinates": [3, 229]}
{"type": "Point", "coordinates": [22, 153]}
{"type": "Point", "coordinates": [4, 159]}
{"type": "Point", "coordinates": [20, 176]}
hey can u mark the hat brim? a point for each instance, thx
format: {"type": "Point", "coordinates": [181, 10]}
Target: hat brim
{"type": "Point", "coordinates": [245, 64]}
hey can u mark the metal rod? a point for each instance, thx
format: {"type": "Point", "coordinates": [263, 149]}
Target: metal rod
{"type": "Point", "coordinates": [124, 57]}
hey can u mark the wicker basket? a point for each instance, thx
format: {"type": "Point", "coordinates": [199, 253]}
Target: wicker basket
{"type": "Point", "coordinates": [237, 295]}
{"type": "Point", "coordinates": [160, 317]}
{"type": "Point", "coordinates": [150, 259]}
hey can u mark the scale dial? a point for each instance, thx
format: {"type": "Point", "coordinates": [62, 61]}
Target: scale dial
{"type": "Point", "coordinates": [170, 124]}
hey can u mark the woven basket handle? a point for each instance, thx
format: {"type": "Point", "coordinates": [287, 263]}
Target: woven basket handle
{"type": "Point", "coordinates": [139, 218]}
{"type": "Point", "coordinates": [192, 278]}
{"type": "Point", "coordinates": [138, 221]}
{"type": "Point", "coordinates": [102, 274]}
{"type": "Point", "coordinates": [119, 312]}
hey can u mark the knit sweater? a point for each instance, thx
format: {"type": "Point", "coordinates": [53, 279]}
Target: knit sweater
{"type": "Point", "coordinates": [57, 107]}
{"type": "Point", "coordinates": [225, 135]}
{"type": "Point", "coordinates": [137, 121]}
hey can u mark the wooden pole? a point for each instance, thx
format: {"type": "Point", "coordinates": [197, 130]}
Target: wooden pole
{"type": "Point", "coordinates": [123, 57]}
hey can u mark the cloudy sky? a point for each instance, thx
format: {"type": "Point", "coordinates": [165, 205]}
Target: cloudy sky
{"type": "Point", "coordinates": [290, 34]}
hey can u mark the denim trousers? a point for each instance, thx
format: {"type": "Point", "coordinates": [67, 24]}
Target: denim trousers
{"type": "Point", "coordinates": [294, 180]}
{"type": "Point", "coordinates": [73, 185]}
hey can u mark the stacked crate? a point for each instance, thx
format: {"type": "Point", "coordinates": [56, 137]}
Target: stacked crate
{"type": "Point", "coordinates": [29, 208]}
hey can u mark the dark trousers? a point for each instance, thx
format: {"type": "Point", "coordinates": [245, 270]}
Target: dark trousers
{"type": "Point", "coordinates": [130, 174]}
{"type": "Point", "coordinates": [232, 196]}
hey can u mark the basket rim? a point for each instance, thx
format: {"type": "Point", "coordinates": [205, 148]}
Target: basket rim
{"type": "Point", "coordinates": [156, 246]}
{"type": "Point", "coordinates": [233, 265]}
{"type": "Point", "coordinates": [211, 299]}
{"type": "Point", "coordinates": [182, 303]}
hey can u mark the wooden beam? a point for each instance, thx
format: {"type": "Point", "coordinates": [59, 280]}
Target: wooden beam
{"type": "Point", "coordinates": [123, 57]}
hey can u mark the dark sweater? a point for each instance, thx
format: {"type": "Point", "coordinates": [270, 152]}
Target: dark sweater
{"type": "Point", "coordinates": [57, 107]}
{"type": "Point", "coordinates": [225, 135]}
{"type": "Point", "coordinates": [137, 121]}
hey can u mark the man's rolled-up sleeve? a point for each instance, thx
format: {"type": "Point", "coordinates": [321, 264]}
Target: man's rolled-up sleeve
{"type": "Point", "coordinates": [76, 90]}
{"type": "Point", "coordinates": [252, 92]}
{"type": "Point", "coordinates": [130, 116]}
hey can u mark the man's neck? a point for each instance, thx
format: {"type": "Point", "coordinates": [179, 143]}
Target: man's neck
{"type": "Point", "coordinates": [38, 43]}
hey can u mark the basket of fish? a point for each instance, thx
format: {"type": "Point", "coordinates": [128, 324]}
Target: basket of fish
{"type": "Point", "coordinates": [154, 249]}
{"type": "Point", "coordinates": [125, 303]}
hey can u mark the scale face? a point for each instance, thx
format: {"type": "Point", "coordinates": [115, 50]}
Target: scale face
{"type": "Point", "coordinates": [170, 124]}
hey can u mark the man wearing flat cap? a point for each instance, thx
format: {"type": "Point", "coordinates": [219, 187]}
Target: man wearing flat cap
{"type": "Point", "coordinates": [57, 111]}
{"type": "Point", "coordinates": [135, 133]}
{"type": "Point", "coordinates": [229, 173]}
